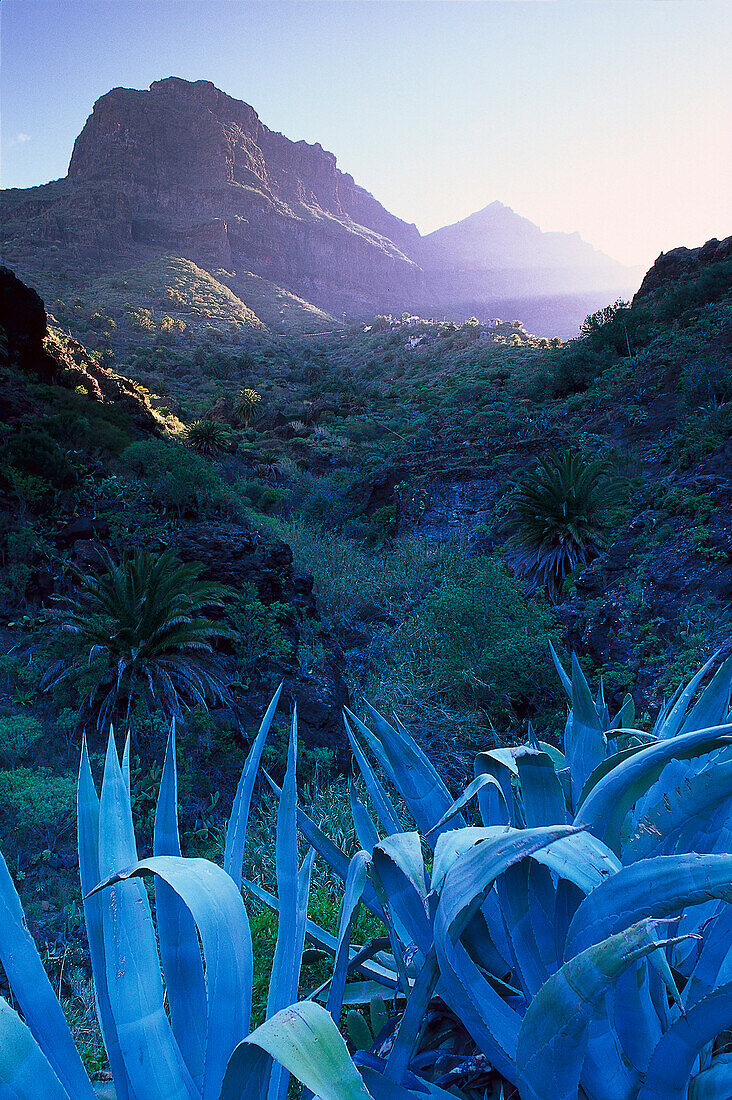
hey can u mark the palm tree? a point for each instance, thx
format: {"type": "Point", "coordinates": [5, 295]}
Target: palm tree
{"type": "Point", "coordinates": [142, 629]}
{"type": "Point", "coordinates": [207, 437]}
{"type": "Point", "coordinates": [560, 518]}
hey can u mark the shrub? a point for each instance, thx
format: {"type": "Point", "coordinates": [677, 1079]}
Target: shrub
{"type": "Point", "coordinates": [176, 477]}
{"type": "Point", "coordinates": [36, 807]}
{"type": "Point", "coordinates": [18, 734]}
{"type": "Point", "coordinates": [475, 640]}
{"type": "Point", "coordinates": [36, 453]}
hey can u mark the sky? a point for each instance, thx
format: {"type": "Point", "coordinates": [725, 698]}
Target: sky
{"type": "Point", "coordinates": [613, 119]}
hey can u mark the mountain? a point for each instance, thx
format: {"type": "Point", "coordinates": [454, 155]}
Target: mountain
{"type": "Point", "coordinates": [183, 170]}
{"type": "Point", "coordinates": [496, 259]}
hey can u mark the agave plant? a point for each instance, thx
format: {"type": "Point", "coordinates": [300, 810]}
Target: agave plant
{"type": "Point", "coordinates": [580, 934]}
{"type": "Point", "coordinates": [207, 437]}
{"type": "Point", "coordinates": [559, 518]}
{"type": "Point", "coordinates": [173, 1007]}
{"type": "Point", "coordinates": [142, 628]}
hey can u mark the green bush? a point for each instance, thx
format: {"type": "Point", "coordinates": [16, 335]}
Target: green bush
{"type": "Point", "coordinates": [36, 807]}
{"type": "Point", "coordinates": [476, 640]}
{"type": "Point", "coordinates": [36, 453]}
{"type": "Point", "coordinates": [18, 734]}
{"type": "Point", "coordinates": [176, 477]}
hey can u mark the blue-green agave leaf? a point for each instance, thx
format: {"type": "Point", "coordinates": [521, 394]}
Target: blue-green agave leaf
{"type": "Point", "coordinates": [416, 779]}
{"type": "Point", "coordinates": [306, 1041]}
{"type": "Point", "coordinates": [652, 887]}
{"type": "Point", "coordinates": [554, 1037]}
{"type": "Point", "coordinates": [363, 822]}
{"type": "Point", "coordinates": [670, 721]}
{"type": "Point", "coordinates": [492, 1023]}
{"type": "Point", "coordinates": [673, 1060]}
{"type": "Point", "coordinates": [355, 882]}
{"type": "Point", "coordinates": [399, 864]}
{"type": "Point", "coordinates": [610, 800]}
{"type": "Point", "coordinates": [236, 832]}
{"type": "Point", "coordinates": [410, 1025]}
{"type": "Point", "coordinates": [151, 1055]}
{"type": "Point", "coordinates": [32, 990]}
{"type": "Point", "coordinates": [88, 839]}
{"type": "Point", "coordinates": [25, 1072]}
{"type": "Point", "coordinates": [475, 787]}
{"type": "Point", "coordinates": [715, 1081]}
{"type": "Point", "coordinates": [585, 745]}
{"type": "Point", "coordinates": [566, 680]}
{"type": "Point", "coordinates": [216, 906]}
{"type": "Point", "coordinates": [683, 812]}
{"type": "Point", "coordinates": [180, 952]}
{"type": "Point", "coordinates": [382, 803]}
{"type": "Point", "coordinates": [541, 791]}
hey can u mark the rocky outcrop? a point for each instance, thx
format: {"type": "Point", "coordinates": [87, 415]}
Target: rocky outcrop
{"type": "Point", "coordinates": [184, 168]}
{"type": "Point", "coordinates": [683, 263]}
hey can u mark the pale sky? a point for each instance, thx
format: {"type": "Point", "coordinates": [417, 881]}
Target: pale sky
{"type": "Point", "coordinates": [613, 119]}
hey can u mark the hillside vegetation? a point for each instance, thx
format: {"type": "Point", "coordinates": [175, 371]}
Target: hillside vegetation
{"type": "Point", "coordinates": [404, 512]}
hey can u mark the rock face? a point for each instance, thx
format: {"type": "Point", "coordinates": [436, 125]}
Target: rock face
{"type": "Point", "coordinates": [684, 263]}
{"type": "Point", "coordinates": [184, 168]}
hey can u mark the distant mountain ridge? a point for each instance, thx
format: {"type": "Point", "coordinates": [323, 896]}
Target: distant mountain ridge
{"type": "Point", "coordinates": [183, 169]}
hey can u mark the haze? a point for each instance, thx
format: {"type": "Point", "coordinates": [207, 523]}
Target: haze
{"type": "Point", "coordinates": [610, 119]}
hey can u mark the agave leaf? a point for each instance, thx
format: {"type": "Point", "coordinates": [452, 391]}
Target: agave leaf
{"type": "Point", "coordinates": [236, 832]}
{"type": "Point", "coordinates": [659, 887]}
{"type": "Point", "coordinates": [305, 1040]}
{"type": "Point", "coordinates": [216, 906]}
{"type": "Point", "coordinates": [473, 788]}
{"type": "Point", "coordinates": [501, 765]}
{"type": "Point", "coordinates": [712, 706]}
{"type": "Point", "coordinates": [405, 1040]}
{"type": "Point", "coordinates": [492, 1023]}
{"type": "Point", "coordinates": [626, 714]}
{"type": "Point", "coordinates": [680, 812]}
{"type": "Point", "coordinates": [553, 1040]}
{"type": "Point", "coordinates": [151, 1055]}
{"type": "Point", "coordinates": [47, 1030]}
{"type": "Point", "coordinates": [382, 803]}
{"type": "Point", "coordinates": [88, 837]}
{"type": "Point", "coordinates": [581, 858]}
{"type": "Point", "coordinates": [585, 745]}
{"type": "Point", "coordinates": [521, 918]}
{"type": "Point", "coordinates": [630, 1008]}
{"type": "Point", "coordinates": [609, 801]}
{"type": "Point", "coordinates": [281, 980]}
{"type": "Point", "coordinates": [566, 680]}
{"type": "Point", "coordinates": [670, 722]}
{"type": "Point", "coordinates": [541, 791]}
{"type": "Point", "coordinates": [674, 1058]}
{"type": "Point", "coordinates": [355, 882]}
{"type": "Point", "coordinates": [714, 1082]}
{"type": "Point", "coordinates": [416, 779]}
{"type": "Point", "coordinates": [714, 965]}
{"type": "Point", "coordinates": [362, 821]}
{"type": "Point", "coordinates": [606, 766]}
{"type": "Point", "coordinates": [180, 953]}
{"type": "Point", "coordinates": [25, 1072]}
{"type": "Point", "coordinates": [399, 864]}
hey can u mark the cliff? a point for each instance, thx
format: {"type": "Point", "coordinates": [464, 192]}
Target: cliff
{"type": "Point", "coordinates": [186, 169]}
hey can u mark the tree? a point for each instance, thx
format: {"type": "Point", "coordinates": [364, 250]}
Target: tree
{"type": "Point", "coordinates": [246, 403]}
{"type": "Point", "coordinates": [560, 518]}
{"type": "Point", "coordinates": [207, 437]}
{"type": "Point", "coordinates": [141, 629]}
